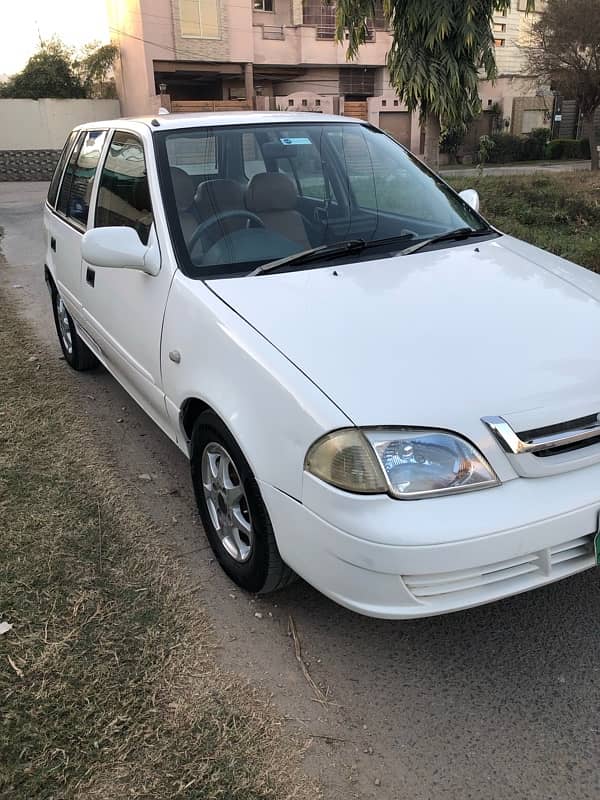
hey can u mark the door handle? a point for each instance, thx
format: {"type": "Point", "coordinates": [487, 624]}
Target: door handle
{"type": "Point", "coordinates": [90, 276]}
{"type": "Point", "coordinates": [53, 243]}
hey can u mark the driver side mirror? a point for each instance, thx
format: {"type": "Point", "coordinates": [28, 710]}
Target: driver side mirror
{"type": "Point", "coordinates": [121, 247]}
{"type": "Point", "coordinates": [471, 198]}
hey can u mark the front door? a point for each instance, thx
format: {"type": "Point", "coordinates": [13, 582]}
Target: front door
{"type": "Point", "coordinates": [125, 307]}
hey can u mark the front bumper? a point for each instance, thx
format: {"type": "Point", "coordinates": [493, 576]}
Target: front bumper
{"type": "Point", "coordinates": [401, 560]}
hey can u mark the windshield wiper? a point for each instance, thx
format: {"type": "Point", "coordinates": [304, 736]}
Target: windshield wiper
{"type": "Point", "coordinates": [459, 233]}
{"type": "Point", "coordinates": [327, 251]}
{"type": "Point", "coordinates": [324, 251]}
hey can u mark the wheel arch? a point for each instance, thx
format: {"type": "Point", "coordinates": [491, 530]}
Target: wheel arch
{"type": "Point", "coordinates": [192, 407]}
{"type": "Point", "coordinates": [190, 410]}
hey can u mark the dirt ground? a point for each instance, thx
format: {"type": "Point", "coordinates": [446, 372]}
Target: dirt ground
{"type": "Point", "coordinates": [498, 702]}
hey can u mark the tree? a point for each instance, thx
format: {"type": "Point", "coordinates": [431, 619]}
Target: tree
{"type": "Point", "coordinates": [94, 65]}
{"type": "Point", "coordinates": [566, 54]}
{"type": "Point", "coordinates": [48, 73]}
{"type": "Point", "coordinates": [55, 71]}
{"type": "Point", "coordinates": [440, 50]}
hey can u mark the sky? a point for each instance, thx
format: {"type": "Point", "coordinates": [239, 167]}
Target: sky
{"type": "Point", "coordinates": [76, 22]}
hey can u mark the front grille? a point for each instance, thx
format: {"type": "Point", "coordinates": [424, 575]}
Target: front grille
{"type": "Point", "coordinates": [504, 577]}
{"type": "Point", "coordinates": [562, 427]}
{"type": "Point", "coordinates": [551, 440]}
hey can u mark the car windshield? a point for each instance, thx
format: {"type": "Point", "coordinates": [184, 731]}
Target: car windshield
{"type": "Point", "coordinates": [238, 197]}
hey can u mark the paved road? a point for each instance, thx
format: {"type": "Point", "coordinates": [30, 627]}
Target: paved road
{"type": "Point", "coordinates": [499, 702]}
{"type": "Point", "coordinates": [545, 167]}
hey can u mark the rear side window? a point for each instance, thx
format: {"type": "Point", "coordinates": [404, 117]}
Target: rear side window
{"type": "Point", "coordinates": [74, 197]}
{"type": "Point", "coordinates": [196, 154]}
{"type": "Point", "coordinates": [55, 183]}
{"type": "Point", "coordinates": [123, 193]}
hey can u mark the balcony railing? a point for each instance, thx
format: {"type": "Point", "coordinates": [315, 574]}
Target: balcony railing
{"type": "Point", "coordinates": [316, 12]}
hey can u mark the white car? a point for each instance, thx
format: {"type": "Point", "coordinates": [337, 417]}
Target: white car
{"type": "Point", "coordinates": [376, 390]}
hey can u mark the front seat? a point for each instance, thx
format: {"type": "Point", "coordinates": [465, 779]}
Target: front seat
{"type": "Point", "coordinates": [273, 197]}
{"type": "Point", "coordinates": [184, 189]}
{"type": "Point", "coordinates": [214, 197]}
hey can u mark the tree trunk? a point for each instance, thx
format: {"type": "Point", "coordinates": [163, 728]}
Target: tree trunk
{"type": "Point", "coordinates": [593, 142]}
{"type": "Point", "coordinates": [432, 140]}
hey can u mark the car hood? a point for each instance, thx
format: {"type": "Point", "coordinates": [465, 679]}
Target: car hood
{"type": "Point", "coordinates": [438, 338]}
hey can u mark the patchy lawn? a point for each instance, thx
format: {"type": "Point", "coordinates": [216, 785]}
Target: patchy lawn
{"type": "Point", "coordinates": [109, 685]}
{"type": "Point", "coordinates": [560, 213]}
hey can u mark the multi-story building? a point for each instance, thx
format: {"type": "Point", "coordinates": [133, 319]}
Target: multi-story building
{"type": "Point", "coordinates": [283, 54]}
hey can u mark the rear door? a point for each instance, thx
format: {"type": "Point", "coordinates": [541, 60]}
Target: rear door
{"type": "Point", "coordinates": [69, 199]}
{"type": "Point", "coordinates": [124, 308]}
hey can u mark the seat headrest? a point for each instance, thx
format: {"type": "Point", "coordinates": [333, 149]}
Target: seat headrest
{"type": "Point", "coordinates": [183, 188]}
{"type": "Point", "coordinates": [271, 191]}
{"type": "Point", "coordinates": [215, 196]}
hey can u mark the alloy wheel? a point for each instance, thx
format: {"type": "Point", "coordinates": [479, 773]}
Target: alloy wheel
{"type": "Point", "coordinates": [64, 325]}
{"type": "Point", "coordinates": [227, 502]}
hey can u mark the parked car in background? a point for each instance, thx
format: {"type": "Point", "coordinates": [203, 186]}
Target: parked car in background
{"type": "Point", "coordinates": [377, 390]}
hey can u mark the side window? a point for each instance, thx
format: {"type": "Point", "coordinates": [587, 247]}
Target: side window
{"type": "Point", "coordinates": [74, 197]}
{"type": "Point", "coordinates": [309, 170]}
{"type": "Point", "coordinates": [53, 190]}
{"type": "Point", "coordinates": [62, 204]}
{"type": "Point", "coordinates": [196, 154]}
{"type": "Point", "coordinates": [252, 155]}
{"type": "Point", "coordinates": [304, 165]}
{"type": "Point", "coordinates": [123, 193]}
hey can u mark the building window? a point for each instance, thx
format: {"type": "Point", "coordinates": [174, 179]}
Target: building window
{"type": "Point", "coordinates": [499, 27]}
{"type": "Point", "coordinates": [357, 81]}
{"type": "Point", "coordinates": [322, 14]}
{"type": "Point", "coordinates": [199, 18]}
{"type": "Point", "coordinates": [499, 42]}
{"type": "Point", "coordinates": [263, 5]}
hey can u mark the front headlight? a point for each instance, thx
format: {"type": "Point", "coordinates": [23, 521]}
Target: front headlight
{"type": "Point", "coordinates": [407, 464]}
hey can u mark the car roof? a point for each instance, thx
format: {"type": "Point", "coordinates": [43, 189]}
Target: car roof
{"type": "Point", "coordinates": [215, 118]}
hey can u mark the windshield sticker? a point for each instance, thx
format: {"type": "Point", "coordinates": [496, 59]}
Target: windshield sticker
{"type": "Point", "coordinates": [298, 140]}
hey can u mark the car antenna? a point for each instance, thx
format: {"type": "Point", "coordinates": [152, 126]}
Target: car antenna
{"type": "Point", "coordinates": [155, 123]}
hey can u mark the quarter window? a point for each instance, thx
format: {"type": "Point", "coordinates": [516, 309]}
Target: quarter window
{"type": "Point", "coordinates": [53, 190]}
{"type": "Point", "coordinates": [76, 188]}
{"type": "Point", "coordinates": [123, 193]}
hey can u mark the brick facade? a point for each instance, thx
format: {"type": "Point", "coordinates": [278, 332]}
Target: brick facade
{"type": "Point", "coordinates": [27, 165]}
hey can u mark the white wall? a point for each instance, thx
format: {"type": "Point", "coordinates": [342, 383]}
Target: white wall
{"type": "Point", "coordinates": [45, 124]}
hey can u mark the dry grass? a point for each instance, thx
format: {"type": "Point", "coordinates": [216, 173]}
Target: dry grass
{"type": "Point", "coordinates": [560, 213]}
{"type": "Point", "coordinates": [109, 685]}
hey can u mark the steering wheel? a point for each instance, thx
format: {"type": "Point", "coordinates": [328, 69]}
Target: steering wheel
{"type": "Point", "coordinates": [218, 218]}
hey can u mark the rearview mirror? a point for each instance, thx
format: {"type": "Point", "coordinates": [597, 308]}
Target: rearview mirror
{"type": "Point", "coordinates": [121, 247]}
{"type": "Point", "coordinates": [471, 197]}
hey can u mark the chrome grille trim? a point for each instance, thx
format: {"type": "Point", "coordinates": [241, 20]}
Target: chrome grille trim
{"type": "Point", "coordinates": [512, 442]}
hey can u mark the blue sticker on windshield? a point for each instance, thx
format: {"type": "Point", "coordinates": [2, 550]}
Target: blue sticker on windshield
{"type": "Point", "coordinates": [298, 140]}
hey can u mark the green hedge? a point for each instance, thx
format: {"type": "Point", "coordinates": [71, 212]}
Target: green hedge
{"type": "Point", "coordinates": [568, 148]}
{"type": "Point", "coordinates": [535, 146]}
{"type": "Point", "coordinates": [508, 147]}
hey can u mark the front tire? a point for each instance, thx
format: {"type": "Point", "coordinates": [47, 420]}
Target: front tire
{"type": "Point", "coordinates": [76, 352]}
{"type": "Point", "coordinates": [232, 510]}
